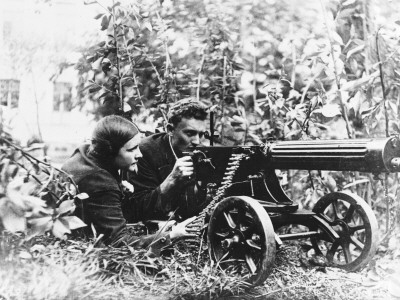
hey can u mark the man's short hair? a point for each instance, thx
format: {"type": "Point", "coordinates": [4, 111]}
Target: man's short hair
{"type": "Point", "coordinates": [187, 108]}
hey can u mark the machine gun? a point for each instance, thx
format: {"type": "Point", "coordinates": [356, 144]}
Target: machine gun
{"type": "Point", "coordinates": [249, 205]}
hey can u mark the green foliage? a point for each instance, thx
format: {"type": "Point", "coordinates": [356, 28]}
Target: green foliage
{"type": "Point", "coordinates": [35, 197]}
{"type": "Point", "coordinates": [155, 54]}
{"type": "Point", "coordinates": [269, 70]}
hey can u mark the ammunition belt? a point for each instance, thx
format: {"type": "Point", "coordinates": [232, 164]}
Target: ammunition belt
{"type": "Point", "coordinates": [196, 227]}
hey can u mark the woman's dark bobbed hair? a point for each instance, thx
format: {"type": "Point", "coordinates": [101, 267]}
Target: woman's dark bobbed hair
{"type": "Point", "coordinates": [110, 135]}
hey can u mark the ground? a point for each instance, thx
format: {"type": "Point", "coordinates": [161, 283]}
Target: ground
{"type": "Point", "coordinates": [50, 269]}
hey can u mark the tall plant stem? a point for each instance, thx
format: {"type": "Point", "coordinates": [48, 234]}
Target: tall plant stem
{"type": "Point", "coordinates": [293, 79]}
{"type": "Point", "coordinates": [337, 80]}
{"type": "Point", "coordinates": [254, 75]}
{"type": "Point", "coordinates": [115, 26]}
{"type": "Point", "coordinates": [387, 198]}
{"type": "Point", "coordinates": [32, 158]}
{"type": "Point", "coordinates": [168, 63]}
{"type": "Point", "coordinates": [133, 72]}
{"type": "Point", "coordinates": [37, 110]}
{"type": "Point", "coordinates": [365, 5]}
{"type": "Point", "coordinates": [203, 57]}
{"type": "Point", "coordinates": [382, 83]}
{"type": "Point", "coordinates": [223, 100]}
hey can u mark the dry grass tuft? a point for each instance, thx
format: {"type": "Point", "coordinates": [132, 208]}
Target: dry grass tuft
{"type": "Point", "coordinates": [45, 268]}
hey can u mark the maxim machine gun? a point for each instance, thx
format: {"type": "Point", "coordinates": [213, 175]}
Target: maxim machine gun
{"type": "Point", "coordinates": [248, 205]}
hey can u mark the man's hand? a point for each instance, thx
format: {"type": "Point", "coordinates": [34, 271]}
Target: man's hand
{"type": "Point", "coordinates": [180, 175]}
{"type": "Point", "coordinates": [179, 231]}
{"type": "Point", "coordinates": [183, 169]}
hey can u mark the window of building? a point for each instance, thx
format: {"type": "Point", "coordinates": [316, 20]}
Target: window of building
{"type": "Point", "coordinates": [9, 92]}
{"type": "Point", "coordinates": [62, 96]}
{"type": "Point", "coordinates": [7, 28]}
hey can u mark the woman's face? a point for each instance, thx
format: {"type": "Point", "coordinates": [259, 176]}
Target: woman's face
{"type": "Point", "coordinates": [128, 155]}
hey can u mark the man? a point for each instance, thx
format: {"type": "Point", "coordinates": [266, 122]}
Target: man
{"type": "Point", "coordinates": [163, 184]}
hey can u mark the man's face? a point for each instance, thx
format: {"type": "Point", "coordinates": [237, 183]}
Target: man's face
{"type": "Point", "coordinates": [187, 133]}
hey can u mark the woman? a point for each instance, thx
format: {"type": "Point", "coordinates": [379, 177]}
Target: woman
{"type": "Point", "coordinates": [95, 168]}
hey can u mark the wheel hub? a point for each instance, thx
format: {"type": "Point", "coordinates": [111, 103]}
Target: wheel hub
{"type": "Point", "coordinates": [342, 228]}
{"type": "Point", "coordinates": [235, 237]}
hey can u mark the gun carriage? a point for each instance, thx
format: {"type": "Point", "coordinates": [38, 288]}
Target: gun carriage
{"type": "Point", "coordinates": [249, 205]}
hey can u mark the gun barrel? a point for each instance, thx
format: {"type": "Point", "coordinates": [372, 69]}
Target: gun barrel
{"type": "Point", "coordinates": [364, 155]}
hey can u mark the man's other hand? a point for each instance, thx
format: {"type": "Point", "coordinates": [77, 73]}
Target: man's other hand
{"type": "Point", "coordinates": [179, 231]}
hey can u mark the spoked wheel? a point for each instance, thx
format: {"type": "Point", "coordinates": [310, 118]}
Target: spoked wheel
{"type": "Point", "coordinates": [241, 237]}
{"type": "Point", "coordinates": [355, 223]}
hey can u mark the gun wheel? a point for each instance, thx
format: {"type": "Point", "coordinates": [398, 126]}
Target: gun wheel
{"type": "Point", "coordinates": [355, 223]}
{"type": "Point", "coordinates": [241, 238]}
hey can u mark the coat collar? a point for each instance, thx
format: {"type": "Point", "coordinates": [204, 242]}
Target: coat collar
{"type": "Point", "coordinates": [96, 162]}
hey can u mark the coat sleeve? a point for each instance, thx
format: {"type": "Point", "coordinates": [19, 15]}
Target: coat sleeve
{"type": "Point", "coordinates": [147, 202]}
{"type": "Point", "coordinates": [103, 210]}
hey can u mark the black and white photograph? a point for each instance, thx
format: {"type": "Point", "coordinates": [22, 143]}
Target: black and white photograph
{"type": "Point", "coordinates": [199, 149]}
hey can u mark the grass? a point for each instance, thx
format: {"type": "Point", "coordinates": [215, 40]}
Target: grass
{"type": "Point", "coordinates": [45, 268]}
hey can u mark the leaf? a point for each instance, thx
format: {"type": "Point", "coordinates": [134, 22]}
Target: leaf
{"type": "Point", "coordinates": [354, 51]}
{"type": "Point", "coordinates": [33, 203]}
{"type": "Point", "coordinates": [349, 3]}
{"type": "Point", "coordinates": [214, 108]}
{"type": "Point", "coordinates": [105, 22]}
{"type": "Point", "coordinates": [371, 110]}
{"type": "Point", "coordinates": [361, 181]}
{"type": "Point", "coordinates": [37, 248]}
{"type": "Point", "coordinates": [148, 26]}
{"type": "Point", "coordinates": [98, 16]}
{"type": "Point", "coordinates": [292, 133]}
{"type": "Point", "coordinates": [329, 182]}
{"type": "Point", "coordinates": [25, 255]}
{"type": "Point", "coordinates": [237, 121]}
{"type": "Point", "coordinates": [336, 39]}
{"type": "Point", "coordinates": [12, 220]}
{"type": "Point", "coordinates": [393, 106]}
{"type": "Point", "coordinates": [355, 84]}
{"type": "Point", "coordinates": [356, 101]}
{"type": "Point", "coordinates": [329, 110]}
{"type": "Point", "coordinates": [39, 226]}
{"type": "Point", "coordinates": [115, 5]}
{"type": "Point", "coordinates": [321, 126]}
{"type": "Point", "coordinates": [40, 221]}
{"type": "Point", "coordinates": [67, 206]}
{"type": "Point", "coordinates": [395, 127]}
{"type": "Point", "coordinates": [95, 89]}
{"type": "Point", "coordinates": [239, 129]}
{"type": "Point", "coordinates": [73, 222]}
{"type": "Point", "coordinates": [394, 286]}
{"type": "Point", "coordinates": [106, 66]}
{"type": "Point", "coordinates": [127, 107]}
{"type": "Point", "coordinates": [339, 66]}
{"type": "Point", "coordinates": [82, 196]}
{"type": "Point", "coordinates": [60, 230]}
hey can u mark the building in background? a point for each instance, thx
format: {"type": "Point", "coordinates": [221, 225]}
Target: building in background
{"type": "Point", "coordinates": [36, 99]}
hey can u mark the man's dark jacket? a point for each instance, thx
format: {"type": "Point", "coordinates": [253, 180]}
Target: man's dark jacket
{"type": "Point", "coordinates": [153, 168]}
{"type": "Point", "coordinates": [103, 207]}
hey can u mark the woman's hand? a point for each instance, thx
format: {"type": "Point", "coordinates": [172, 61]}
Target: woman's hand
{"type": "Point", "coordinates": [127, 186]}
{"type": "Point", "coordinates": [179, 231]}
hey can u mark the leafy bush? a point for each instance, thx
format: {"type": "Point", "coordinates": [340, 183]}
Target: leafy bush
{"type": "Point", "coordinates": [35, 197]}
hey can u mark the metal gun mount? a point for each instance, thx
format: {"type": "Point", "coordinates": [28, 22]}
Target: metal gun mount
{"type": "Point", "coordinates": [250, 205]}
